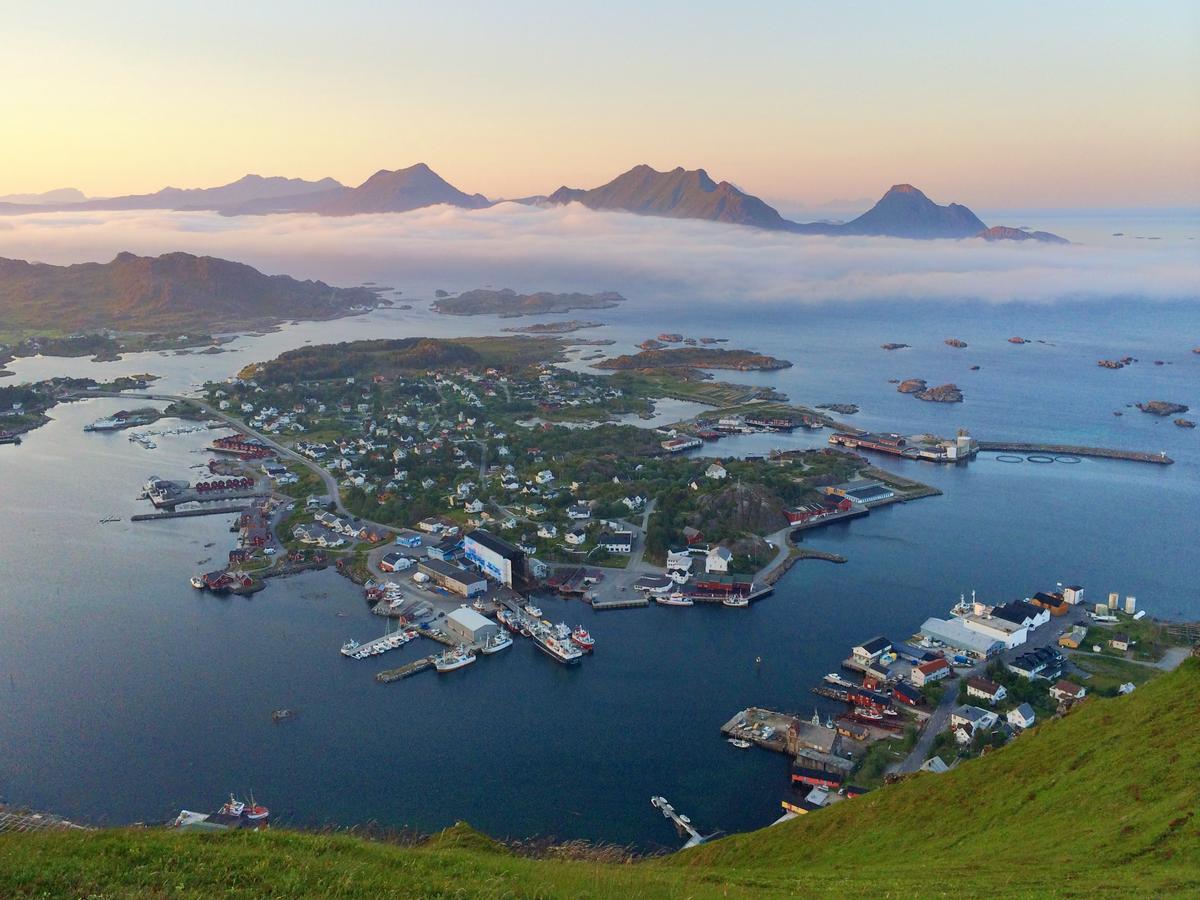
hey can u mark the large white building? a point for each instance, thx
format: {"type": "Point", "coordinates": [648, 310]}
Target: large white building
{"type": "Point", "coordinates": [469, 626]}
{"type": "Point", "coordinates": [495, 557]}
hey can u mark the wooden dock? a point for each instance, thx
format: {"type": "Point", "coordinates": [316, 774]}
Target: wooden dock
{"type": "Point", "coordinates": [412, 668]}
{"type": "Point", "coordinates": [1071, 450]}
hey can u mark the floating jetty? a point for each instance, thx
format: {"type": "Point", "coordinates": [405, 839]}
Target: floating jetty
{"type": "Point", "coordinates": [1071, 450]}
{"type": "Point", "coordinates": [412, 668]}
{"type": "Point", "coordinates": [683, 823]}
{"type": "Point", "coordinates": [355, 650]}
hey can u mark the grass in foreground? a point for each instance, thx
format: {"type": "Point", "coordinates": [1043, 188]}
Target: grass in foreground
{"type": "Point", "coordinates": [1102, 803]}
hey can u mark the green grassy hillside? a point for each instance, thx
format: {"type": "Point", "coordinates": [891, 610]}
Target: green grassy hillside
{"type": "Point", "coordinates": [1100, 803]}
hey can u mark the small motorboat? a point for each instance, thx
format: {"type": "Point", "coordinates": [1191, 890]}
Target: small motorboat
{"type": "Point", "coordinates": [197, 582]}
{"type": "Point", "coordinates": [740, 743]}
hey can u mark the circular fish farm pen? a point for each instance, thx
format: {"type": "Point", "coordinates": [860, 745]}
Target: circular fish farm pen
{"type": "Point", "coordinates": [1068, 460]}
{"type": "Point", "coordinates": [1039, 458]}
{"type": "Point", "coordinates": [1009, 458]}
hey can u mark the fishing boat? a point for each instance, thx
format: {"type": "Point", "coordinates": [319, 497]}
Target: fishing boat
{"type": "Point", "coordinates": [738, 602]}
{"type": "Point", "coordinates": [863, 712]}
{"type": "Point", "coordinates": [509, 620]}
{"type": "Point", "coordinates": [557, 649]}
{"type": "Point", "coordinates": [499, 641]}
{"type": "Point", "coordinates": [478, 605]}
{"type": "Point", "coordinates": [533, 611]}
{"type": "Point", "coordinates": [453, 659]}
{"type": "Point", "coordinates": [675, 599]}
{"type": "Point", "coordinates": [583, 640]}
{"type": "Point", "coordinates": [349, 648]}
{"type": "Point", "coordinates": [197, 582]}
{"type": "Point", "coordinates": [740, 743]}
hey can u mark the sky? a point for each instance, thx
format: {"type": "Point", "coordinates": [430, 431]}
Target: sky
{"type": "Point", "coordinates": [1014, 105]}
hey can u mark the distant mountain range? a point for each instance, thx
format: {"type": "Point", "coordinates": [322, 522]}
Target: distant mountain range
{"type": "Point", "coordinates": [61, 195]}
{"type": "Point", "coordinates": [172, 291]}
{"type": "Point", "coordinates": [680, 194]}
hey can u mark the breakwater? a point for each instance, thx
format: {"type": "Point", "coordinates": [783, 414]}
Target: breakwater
{"type": "Point", "coordinates": [1071, 450]}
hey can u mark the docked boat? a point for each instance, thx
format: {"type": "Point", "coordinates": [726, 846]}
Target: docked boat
{"type": "Point", "coordinates": [197, 582]}
{"type": "Point", "coordinates": [350, 648]}
{"type": "Point", "coordinates": [237, 808]}
{"type": "Point", "coordinates": [735, 602]}
{"type": "Point", "coordinates": [557, 649]}
{"type": "Point", "coordinates": [500, 641]}
{"type": "Point", "coordinates": [675, 599]}
{"type": "Point", "coordinates": [740, 743]}
{"type": "Point", "coordinates": [105, 425]}
{"type": "Point", "coordinates": [478, 605]}
{"type": "Point", "coordinates": [863, 712]}
{"type": "Point", "coordinates": [583, 640]}
{"type": "Point", "coordinates": [453, 659]}
{"type": "Point", "coordinates": [9, 437]}
{"type": "Point", "coordinates": [533, 611]}
{"type": "Point", "coordinates": [509, 620]}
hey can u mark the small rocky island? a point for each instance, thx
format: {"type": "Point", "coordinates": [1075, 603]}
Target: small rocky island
{"type": "Point", "coordinates": [508, 303]}
{"type": "Point", "coordinates": [1115, 363]}
{"type": "Point", "coordinates": [891, 346]}
{"type": "Point", "coordinates": [1018, 340]}
{"type": "Point", "coordinates": [1162, 408]}
{"type": "Point", "coordinates": [553, 327]}
{"type": "Point", "coordinates": [845, 409]}
{"type": "Point", "coordinates": [942, 393]}
{"type": "Point", "coordinates": [696, 358]}
{"type": "Point", "coordinates": [954, 342]}
{"type": "Point", "coordinates": [1185, 423]}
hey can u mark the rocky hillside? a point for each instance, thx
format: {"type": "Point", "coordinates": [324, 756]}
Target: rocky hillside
{"type": "Point", "coordinates": [678, 194]}
{"type": "Point", "coordinates": [395, 191]}
{"type": "Point", "coordinates": [172, 291]}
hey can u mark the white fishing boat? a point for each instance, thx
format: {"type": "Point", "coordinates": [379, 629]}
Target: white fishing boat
{"type": "Point", "coordinates": [500, 641]}
{"type": "Point", "coordinates": [740, 743]}
{"type": "Point", "coordinates": [675, 599]}
{"type": "Point", "coordinates": [453, 659]}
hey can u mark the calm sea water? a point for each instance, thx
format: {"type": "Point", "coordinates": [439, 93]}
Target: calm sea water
{"type": "Point", "coordinates": [125, 695]}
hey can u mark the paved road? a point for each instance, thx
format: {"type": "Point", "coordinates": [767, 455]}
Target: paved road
{"type": "Point", "coordinates": [1045, 636]}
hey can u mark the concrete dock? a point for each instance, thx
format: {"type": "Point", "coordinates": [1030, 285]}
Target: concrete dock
{"type": "Point", "coordinates": [1072, 450]}
{"type": "Point", "coordinates": [188, 513]}
{"type": "Point", "coordinates": [412, 668]}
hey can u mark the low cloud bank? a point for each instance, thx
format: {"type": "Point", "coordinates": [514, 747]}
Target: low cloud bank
{"type": "Point", "coordinates": [572, 248]}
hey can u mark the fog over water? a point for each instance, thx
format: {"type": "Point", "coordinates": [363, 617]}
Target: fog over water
{"type": "Point", "coordinates": [670, 261]}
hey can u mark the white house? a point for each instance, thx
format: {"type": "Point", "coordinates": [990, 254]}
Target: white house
{"type": "Point", "coordinates": [718, 560]}
{"type": "Point", "coordinates": [985, 689]}
{"type": "Point", "coordinates": [575, 537]}
{"type": "Point", "coordinates": [974, 716]}
{"type": "Point", "coordinates": [616, 541]}
{"type": "Point", "coordinates": [473, 506]}
{"type": "Point", "coordinates": [1068, 691]}
{"type": "Point", "coordinates": [716, 471]}
{"type": "Point", "coordinates": [579, 511]}
{"type": "Point", "coordinates": [547, 530]}
{"type": "Point", "coordinates": [544, 477]}
{"type": "Point", "coordinates": [1021, 717]}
